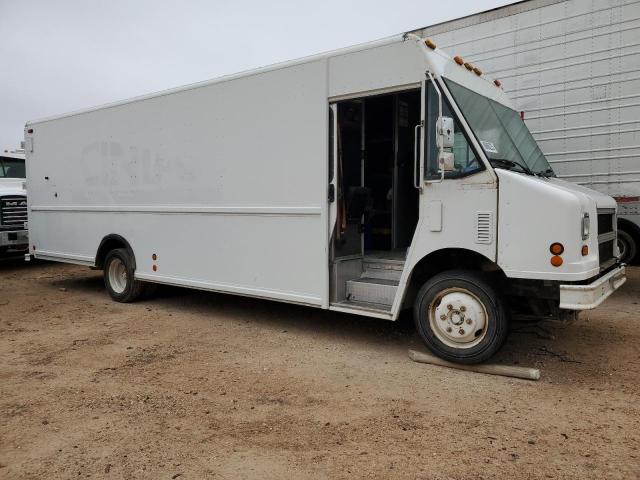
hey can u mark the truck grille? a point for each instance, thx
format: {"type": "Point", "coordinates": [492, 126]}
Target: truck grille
{"type": "Point", "coordinates": [13, 211]}
{"type": "Point", "coordinates": [606, 238]}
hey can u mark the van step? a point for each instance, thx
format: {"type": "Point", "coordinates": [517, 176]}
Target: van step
{"type": "Point", "coordinates": [384, 311]}
{"type": "Point", "coordinates": [382, 270]}
{"type": "Point", "coordinates": [377, 291]}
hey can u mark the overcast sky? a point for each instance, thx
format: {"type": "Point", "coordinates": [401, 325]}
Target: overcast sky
{"type": "Point", "coordinates": [63, 55]}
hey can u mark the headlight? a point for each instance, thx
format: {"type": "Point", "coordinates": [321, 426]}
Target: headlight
{"type": "Point", "coordinates": [586, 226]}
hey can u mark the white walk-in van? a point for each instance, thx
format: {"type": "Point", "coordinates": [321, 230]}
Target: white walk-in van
{"type": "Point", "coordinates": [366, 180]}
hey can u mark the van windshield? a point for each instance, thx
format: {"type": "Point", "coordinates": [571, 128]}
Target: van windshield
{"type": "Point", "coordinates": [501, 133]}
{"type": "Point", "coordinates": [12, 168]}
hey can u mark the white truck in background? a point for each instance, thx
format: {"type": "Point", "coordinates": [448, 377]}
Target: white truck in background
{"type": "Point", "coordinates": [368, 180]}
{"type": "Point", "coordinates": [14, 235]}
{"type": "Point", "coordinates": [571, 67]}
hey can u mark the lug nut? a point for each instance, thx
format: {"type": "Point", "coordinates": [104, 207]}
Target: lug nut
{"type": "Point", "coordinates": [468, 321]}
{"type": "Point", "coordinates": [449, 329]}
{"type": "Point", "coordinates": [463, 308]}
{"type": "Point", "coordinates": [461, 331]}
{"type": "Point", "coordinates": [443, 317]}
{"type": "Point", "coordinates": [450, 307]}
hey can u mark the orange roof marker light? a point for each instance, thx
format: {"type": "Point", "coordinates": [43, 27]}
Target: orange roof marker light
{"type": "Point", "coordinates": [468, 66]}
{"type": "Point", "coordinates": [459, 60]}
{"type": "Point", "coordinates": [477, 71]}
{"type": "Point", "coordinates": [430, 43]}
{"type": "Point", "coordinates": [497, 83]}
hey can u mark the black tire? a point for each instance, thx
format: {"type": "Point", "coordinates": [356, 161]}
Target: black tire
{"type": "Point", "coordinates": [628, 247]}
{"type": "Point", "coordinates": [482, 296]}
{"type": "Point", "coordinates": [122, 287]}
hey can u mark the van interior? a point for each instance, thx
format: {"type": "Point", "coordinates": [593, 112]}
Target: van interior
{"type": "Point", "coordinates": [376, 198]}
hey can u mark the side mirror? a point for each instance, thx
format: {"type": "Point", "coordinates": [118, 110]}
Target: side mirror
{"type": "Point", "coordinates": [446, 132]}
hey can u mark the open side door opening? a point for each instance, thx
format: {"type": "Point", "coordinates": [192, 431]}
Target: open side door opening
{"type": "Point", "coordinates": [376, 207]}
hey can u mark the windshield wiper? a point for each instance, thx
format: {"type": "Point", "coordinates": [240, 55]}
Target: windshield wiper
{"type": "Point", "coordinates": [512, 163]}
{"type": "Point", "coordinates": [546, 173]}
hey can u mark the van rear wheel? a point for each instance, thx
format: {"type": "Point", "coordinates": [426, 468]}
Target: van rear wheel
{"type": "Point", "coordinates": [119, 276]}
{"type": "Point", "coordinates": [460, 317]}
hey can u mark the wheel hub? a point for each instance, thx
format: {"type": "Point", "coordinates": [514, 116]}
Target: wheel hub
{"type": "Point", "coordinates": [458, 318]}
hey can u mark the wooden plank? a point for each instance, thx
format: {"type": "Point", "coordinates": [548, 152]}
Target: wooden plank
{"type": "Point", "coordinates": [490, 369]}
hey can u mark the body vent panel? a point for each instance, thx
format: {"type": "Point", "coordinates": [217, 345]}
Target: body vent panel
{"type": "Point", "coordinates": [484, 227]}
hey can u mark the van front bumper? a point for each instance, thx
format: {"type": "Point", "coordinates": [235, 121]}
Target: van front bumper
{"type": "Point", "coordinates": [586, 297]}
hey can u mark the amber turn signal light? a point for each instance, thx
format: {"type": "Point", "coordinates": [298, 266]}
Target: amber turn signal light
{"type": "Point", "coordinates": [585, 250]}
{"type": "Point", "coordinates": [556, 261]}
{"type": "Point", "coordinates": [556, 248]}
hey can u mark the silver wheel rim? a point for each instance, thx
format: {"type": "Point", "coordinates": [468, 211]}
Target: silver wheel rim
{"type": "Point", "coordinates": [458, 318]}
{"type": "Point", "coordinates": [117, 275]}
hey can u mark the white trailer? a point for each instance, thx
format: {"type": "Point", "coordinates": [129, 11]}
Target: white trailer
{"type": "Point", "coordinates": [367, 180]}
{"type": "Point", "coordinates": [571, 66]}
{"type": "Point", "coordinates": [14, 236]}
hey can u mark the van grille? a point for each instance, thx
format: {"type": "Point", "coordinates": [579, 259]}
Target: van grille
{"type": "Point", "coordinates": [606, 237]}
{"type": "Point", "coordinates": [605, 250]}
{"type": "Point", "coordinates": [13, 211]}
{"type": "Point", "coordinates": [605, 223]}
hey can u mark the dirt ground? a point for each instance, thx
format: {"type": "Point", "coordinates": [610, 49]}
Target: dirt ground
{"type": "Point", "coordinates": [197, 385]}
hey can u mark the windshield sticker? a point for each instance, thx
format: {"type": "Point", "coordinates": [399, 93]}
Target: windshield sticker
{"type": "Point", "coordinates": [488, 147]}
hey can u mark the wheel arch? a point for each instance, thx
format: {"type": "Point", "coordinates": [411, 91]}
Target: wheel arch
{"type": "Point", "coordinates": [448, 259]}
{"type": "Point", "coordinates": [111, 242]}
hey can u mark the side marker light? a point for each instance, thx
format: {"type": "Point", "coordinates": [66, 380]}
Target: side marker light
{"type": "Point", "coordinates": [556, 261]}
{"type": "Point", "coordinates": [556, 248]}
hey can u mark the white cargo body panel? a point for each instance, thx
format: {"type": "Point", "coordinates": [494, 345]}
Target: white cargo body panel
{"type": "Point", "coordinates": [572, 67]}
{"type": "Point", "coordinates": [207, 160]}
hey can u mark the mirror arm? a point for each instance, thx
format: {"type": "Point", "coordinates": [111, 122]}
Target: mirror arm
{"type": "Point", "coordinates": [440, 147]}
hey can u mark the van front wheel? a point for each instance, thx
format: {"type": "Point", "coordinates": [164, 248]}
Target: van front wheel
{"type": "Point", "coordinates": [119, 276]}
{"type": "Point", "coordinates": [460, 317]}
